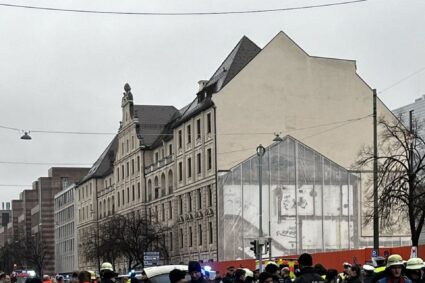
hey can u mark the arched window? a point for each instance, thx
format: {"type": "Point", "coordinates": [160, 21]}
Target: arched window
{"type": "Point", "coordinates": [163, 184]}
{"type": "Point", "coordinates": [156, 187]}
{"type": "Point", "coordinates": [100, 209]}
{"type": "Point", "coordinates": [149, 190]}
{"type": "Point", "coordinates": [170, 182]}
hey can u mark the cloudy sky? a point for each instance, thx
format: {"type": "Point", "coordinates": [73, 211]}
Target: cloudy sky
{"type": "Point", "coordinates": [62, 71]}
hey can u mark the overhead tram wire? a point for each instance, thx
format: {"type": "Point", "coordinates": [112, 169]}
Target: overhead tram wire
{"type": "Point", "coordinates": [181, 13]}
{"type": "Point", "coordinates": [228, 134]}
{"type": "Point", "coordinates": [402, 80]}
{"type": "Point", "coordinates": [46, 163]}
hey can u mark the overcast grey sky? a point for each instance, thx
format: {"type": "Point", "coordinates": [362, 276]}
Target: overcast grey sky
{"type": "Point", "coordinates": [66, 71]}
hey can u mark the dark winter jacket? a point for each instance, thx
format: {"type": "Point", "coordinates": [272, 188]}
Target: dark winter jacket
{"type": "Point", "coordinates": [309, 275]}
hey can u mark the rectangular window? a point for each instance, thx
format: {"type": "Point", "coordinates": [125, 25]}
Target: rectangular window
{"type": "Point", "coordinates": [199, 163]}
{"type": "Point", "coordinates": [122, 197]}
{"type": "Point", "coordinates": [138, 190]}
{"type": "Point", "coordinates": [128, 169]}
{"type": "Point", "coordinates": [181, 238]}
{"type": "Point", "coordinates": [190, 237]}
{"type": "Point", "coordinates": [134, 193]}
{"type": "Point", "coordinates": [170, 149]}
{"type": "Point", "coordinates": [210, 232]}
{"type": "Point", "coordinates": [198, 129]}
{"type": "Point", "coordinates": [132, 166]}
{"type": "Point", "coordinates": [163, 212]}
{"type": "Point", "coordinates": [209, 196]}
{"type": "Point", "coordinates": [118, 198]}
{"type": "Point", "coordinates": [200, 234]}
{"type": "Point", "coordinates": [209, 159]}
{"type": "Point", "coordinates": [199, 199]}
{"type": "Point", "coordinates": [156, 156]}
{"type": "Point", "coordinates": [122, 171]}
{"type": "Point", "coordinates": [170, 210]}
{"type": "Point", "coordinates": [180, 138]}
{"type": "Point", "coordinates": [138, 163]}
{"type": "Point", "coordinates": [180, 205]}
{"type": "Point", "coordinates": [189, 134]}
{"type": "Point", "coordinates": [128, 194]}
{"type": "Point", "coordinates": [209, 123]}
{"type": "Point", "coordinates": [189, 202]}
{"type": "Point", "coordinates": [171, 241]}
{"type": "Point", "coordinates": [189, 167]}
{"type": "Point", "coordinates": [180, 171]}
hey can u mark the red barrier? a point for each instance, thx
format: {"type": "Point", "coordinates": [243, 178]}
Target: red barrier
{"type": "Point", "coordinates": [327, 259]}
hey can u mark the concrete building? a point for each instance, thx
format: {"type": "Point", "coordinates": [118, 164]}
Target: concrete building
{"type": "Point", "coordinates": [164, 162]}
{"type": "Point", "coordinates": [418, 108]}
{"type": "Point", "coordinates": [6, 216]}
{"type": "Point", "coordinates": [42, 215]}
{"type": "Point", "coordinates": [66, 248]}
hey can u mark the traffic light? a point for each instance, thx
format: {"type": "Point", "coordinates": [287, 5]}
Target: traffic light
{"type": "Point", "coordinates": [254, 246]}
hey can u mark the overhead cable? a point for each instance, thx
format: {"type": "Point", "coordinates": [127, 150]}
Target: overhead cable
{"type": "Point", "coordinates": [181, 13]}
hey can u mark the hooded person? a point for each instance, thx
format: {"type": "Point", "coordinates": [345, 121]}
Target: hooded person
{"type": "Point", "coordinates": [394, 270]}
{"type": "Point", "coordinates": [414, 270]}
{"type": "Point", "coordinates": [307, 272]}
{"type": "Point", "coordinates": [195, 272]}
{"type": "Point", "coordinates": [177, 276]}
{"type": "Point", "coordinates": [354, 274]}
{"type": "Point", "coordinates": [240, 275]}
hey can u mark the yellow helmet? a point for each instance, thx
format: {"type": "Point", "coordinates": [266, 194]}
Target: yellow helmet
{"type": "Point", "coordinates": [394, 259]}
{"type": "Point", "coordinates": [415, 263]}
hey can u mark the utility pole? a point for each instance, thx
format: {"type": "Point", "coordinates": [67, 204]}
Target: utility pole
{"type": "Point", "coordinates": [260, 152]}
{"type": "Point", "coordinates": [375, 179]}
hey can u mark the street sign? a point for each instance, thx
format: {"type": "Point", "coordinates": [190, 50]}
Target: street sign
{"type": "Point", "coordinates": [151, 258]}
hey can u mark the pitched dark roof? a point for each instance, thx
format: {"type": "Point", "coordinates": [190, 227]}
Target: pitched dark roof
{"type": "Point", "coordinates": [104, 164]}
{"type": "Point", "coordinates": [240, 56]}
{"type": "Point", "coordinates": [153, 121]}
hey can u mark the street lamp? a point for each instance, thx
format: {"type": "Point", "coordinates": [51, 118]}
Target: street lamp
{"type": "Point", "coordinates": [26, 136]}
{"type": "Point", "coordinates": [260, 153]}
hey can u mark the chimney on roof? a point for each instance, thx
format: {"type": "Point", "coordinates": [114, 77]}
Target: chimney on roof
{"type": "Point", "coordinates": [202, 84]}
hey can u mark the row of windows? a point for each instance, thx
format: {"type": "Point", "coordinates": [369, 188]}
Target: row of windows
{"type": "Point", "coordinates": [198, 133]}
{"type": "Point", "coordinates": [65, 246]}
{"type": "Point", "coordinates": [64, 198]}
{"type": "Point", "coordinates": [193, 233]}
{"type": "Point", "coordinates": [84, 191]}
{"type": "Point", "coordinates": [157, 190]}
{"type": "Point", "coordinates": [134, 165]}
{"type": "Point", "coordinates": [64, 231]}
{"type": "Point", "coordinates": [125, 148]}
{"type": "Point", "coordinates": [107, 207]}
{"type": "Point", "coordinates": [189, 200]}
{"type": "Point", "coordinates": [64, 215]}
{"type": "Point", "coordinates": [189, 169]}
{"type": "Point", "coordinates": [85, 212]}
{"type": "Point", "coordinates": [127, 197]}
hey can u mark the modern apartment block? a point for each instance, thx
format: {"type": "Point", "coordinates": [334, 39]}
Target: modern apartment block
{"type": "Point", "coordinates": [164, 162]}
{"type": "Point", "coordinates": [418, 108]}
{"type": "Point", "coordinates": [66, 252]}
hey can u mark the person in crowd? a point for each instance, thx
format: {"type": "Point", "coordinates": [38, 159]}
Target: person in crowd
{"type": "Point", "coordinates": [177, 276]}
{"type": "Point", "coordinates": [256, 275]}
{"type": "Point", "coordinates": [380, 266]}
{"type": "Point", "coordinates": [230, 275]}
{"type": "Point", "coordinates": [195, 272]}
{"type": "Point", "coordinates": [368, 273]}
{"type": "Point", "coordinates": [218, 277]}
{"type": "Point", "coordinates": [46, 279]}
{"type": "Point", "coordinates": [394, 271]}
{"type": "Point", "coordinates": [285, 275]}
{"type": "Point", "coordinates": [343, 276]}
{"type": "Point", "coordinates": [249, 276]}
{"type": "Point", "coordinates": [321, 270]}
{"type": "Point", "coordinates": [240, 275]}
{"type": "Point", "coordinates": [414, 270]}
{"type": "Point", "coordinates": [84, 277]}
{"type": "Point", "coordinates": [331, 276]}
{"type": "Point", "coordinates": [308, 274]}
{"type": "Point", "coordinates": [265, 277]}
{"type": "Point", "coordinates": [273, 269]}
{"type": "Point", "coordinates": [107, 273]}
{"type": "Point", "coordinates": [2, 277]}
{"type": "Point", "coordinates": [354, 274]}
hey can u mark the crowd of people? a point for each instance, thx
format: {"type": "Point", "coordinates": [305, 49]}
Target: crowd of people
{"type": "Point", "coordinates": [381, 270]}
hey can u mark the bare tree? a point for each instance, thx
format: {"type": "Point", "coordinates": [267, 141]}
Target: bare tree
{"type": "Point", "coordinates": [126, 236]}
{"type": "Point", "coordinates": [34, 252]}
{"type": "Point", "coordinates": [401, 177]}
